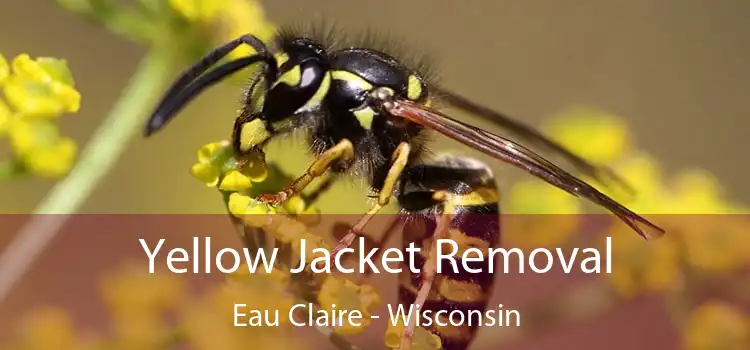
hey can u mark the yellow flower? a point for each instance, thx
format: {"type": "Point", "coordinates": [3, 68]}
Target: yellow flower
{"type": "Point", "coordinates": [240, 17]}
{"type": "Point", "coordinates": [252, 212]}
{"type": "Point", "coordinates": [643, 173]}
{"type": "Point", "coordinates": [198, 10]}
{"type": "Point", "coordinates": [422, 340]}
{"type": "Point", "coordinates": [37, 91]}
{"type": "Point", "coordinates": [41, 88]}
{"type": "Point", "coordinates": [640, 266]}
{"type": "Point", "coordinates": [717, 325]}
{"type": "Point", "coordinates": [4, 69]}
{"type": "Point", "coordinates": [232, 18]}
{"type": "Point", "coordinates": [288, 230]}
{"type": "Point", "coordinates": [130, 289]}
{"type": "Point", "coordinates": [541, 215]}
{"type": "Point", "coordinates": [209, 321]}
{"type": "Point", "coordinates": [698, 192]}
{"type": "Point", "coordinates": [5, 117]}
{"type": "Point", "coordinates": [235, 181]}
{"type": "Point", "coordinates": [597, 136]}
{"type": "Point", "coordinates": [216, 161]}
{"type": "Point", "coordinates": [242, 274]}
{"type": "Point", "coordinates": [715, 243]}
{"type": "Point", "coordinates": [48, 329]}
{"type": "Point", "coordinates": [538, 197]}
{"type": "Point", "coordinates": [137, 302]}
{"type": "Point", "coordinates": [39, 146]}
{"type": "Point", "coordinates": [343, 294]}
{"type": "Point", "coordinates": [295, 205]}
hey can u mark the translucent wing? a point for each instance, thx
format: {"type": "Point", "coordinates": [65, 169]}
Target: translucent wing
{"type": "Point", "coordinates": [519, 156]}
{"type": "Point", "coordinates": [526, 133]}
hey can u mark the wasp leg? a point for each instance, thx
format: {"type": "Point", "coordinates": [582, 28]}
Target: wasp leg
{"type": "Point", "coordinates": [429, 270]}
{"type": "Point", "coordinates": [342, 152]}
{"type": "Point", "coordinates": [398, 164]}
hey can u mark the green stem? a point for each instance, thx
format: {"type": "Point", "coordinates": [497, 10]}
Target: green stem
{"type": "Point", "coordinates": [95, 161]}
{"type": "Point", "coordinates": [10, 169]}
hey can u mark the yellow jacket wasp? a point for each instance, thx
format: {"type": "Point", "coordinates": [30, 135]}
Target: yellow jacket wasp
{"type": "Point", "coordinates": [367, 114]}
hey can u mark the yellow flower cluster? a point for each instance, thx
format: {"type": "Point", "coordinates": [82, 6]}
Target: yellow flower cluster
{"type": "Point", "coordinates": [232, 18]}
{"type": "Point", "coordinates": [541, 215]}
{"type": "Point", "coordinates": [208, 321]}
{"type": "Point", "coordinates": [717, 325]}
{"type": "Point", "coordinates": [36, 93]}
{"type": "Point", "coordinates": [48, 328]}
{"type": "Point", "coordinates": [218, 168]}
{"type": "Point", "coordinates": [155, 311]}
{"type": "Point", "coordinates": [343, 294]}
{"type": "Point", "coordinates": [690, 206]}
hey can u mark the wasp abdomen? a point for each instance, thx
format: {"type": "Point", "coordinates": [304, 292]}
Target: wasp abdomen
{"type": "Point", "coordinates": [461, 289]}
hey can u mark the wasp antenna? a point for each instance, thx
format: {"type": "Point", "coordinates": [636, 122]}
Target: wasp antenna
{"type": "Point", "coordinates": [177, 95]}
{"type": "Point", "coordinates": [169, 108]}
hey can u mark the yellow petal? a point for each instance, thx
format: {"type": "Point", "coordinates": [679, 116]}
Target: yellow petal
{"type": "Point", "coordinates": [42, 87]}
{"type": "Point", "coordinates": [207, 151]}
{"type": "Point", "coordinates": [53, 161]}
{"type": "Point", "coordinates": [235, 181]}
{"type": "Point", "coordinates": [290, 230]}
{"type": "Point", "coordinates": [717, 325]}
{"type": "Point", "coordinates": [295, 205]}
{"type": "Point", "coordinates": [5, 117]}
{"type": "Point", "coordinates": [347, 295]}
{"type": "Point", "coordinates": [597, 136]}
{"type": "Point", "coordinates": [4, 69]}
{"type": "Point", "coordinates": [34, 98]}
{"type": "Point", "coordinates": [24, 66]}
{"type": "Point", "coordinates": [48, 329]}
{"type": "Point", "coordinates": [28, 135]}
{"type": "Point", "coordinates": [198, 10]}
{"type": "Point", "coordinates": [238, 203]}
{"type": "Point", "coordinates": [69, 98]}
{"type": "Point", "coordinates": [240, 17]}
{"type": "Point", "coordinates": [206, 173]}
{"type": "Point", "coordinates": [537, 197]}
{"type": "Point", "coordinates": [697, 192]}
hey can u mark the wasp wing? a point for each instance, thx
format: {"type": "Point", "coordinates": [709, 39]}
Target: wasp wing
{"type": "Point", "coordinates": [528, 133]}
{"type": "Point", "coordinates": [519, 156]}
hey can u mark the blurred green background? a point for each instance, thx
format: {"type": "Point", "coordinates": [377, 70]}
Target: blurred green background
{"type": "Point", "coordinates": [675, 70]}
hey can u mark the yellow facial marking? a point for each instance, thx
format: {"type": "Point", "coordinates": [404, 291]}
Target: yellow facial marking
{"type": "Point", "coordinates": [281, 58]}
{"type": "Point", "coordinates": [291, 77]}
{"type": "Point", "coordinates": [351, 78]}
{"type": "Point", "coordinates": [365, 117]}
{"type": "Point", "coordinates": [253, 134]}
{"type": "Point", "coordinates": [414, 88]}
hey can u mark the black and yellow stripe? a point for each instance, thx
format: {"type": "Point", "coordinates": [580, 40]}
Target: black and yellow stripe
{"type": "Point", "coordinates": [465, 189]}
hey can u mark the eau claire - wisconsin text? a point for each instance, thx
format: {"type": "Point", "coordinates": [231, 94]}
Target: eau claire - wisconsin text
{"type": "Point", "coordinates": [307, 315]}
{"type": "Point", "coordinates": [201, 257]}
